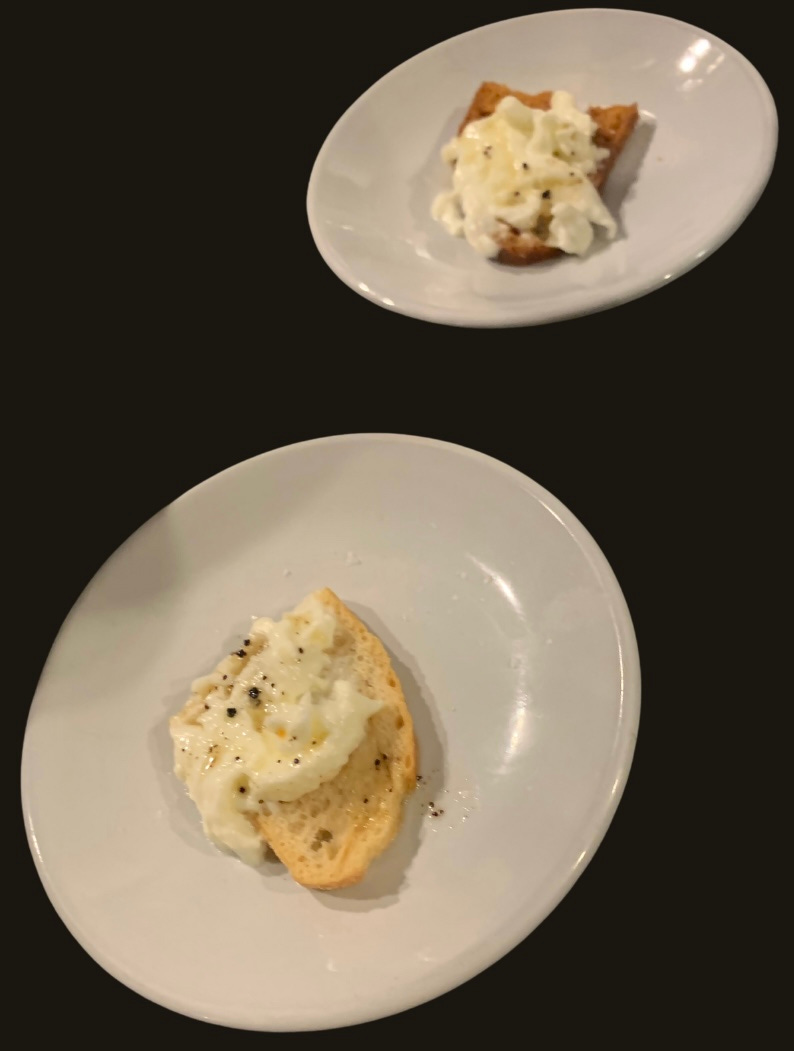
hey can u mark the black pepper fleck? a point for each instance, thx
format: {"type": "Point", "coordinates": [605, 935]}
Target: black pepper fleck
{"type": "Point", "coordinates": [253, 693]}
{"type": "Point", "coordinates": [525, 166]}
{"type": "Point", "coordinates": [300, 649]}
{"type": "Point", "coordinates": [206, 706]}
{"type": "Point", "coordinates": [237, 759]}
{"type": "Point", "coordinates": [231, 711]}
{"type": "Point", "coordinates": [246, 642]}
{"type": "Point", "coordinates": [383, 756]}
{"type": "Point", "coordinates": [546, 194]}
{"type": "Point", "coordinates": [419, 778]}
{"type": "Point", "coordinates": [487, 151]}
{"type": "Point", "coordinates": [239, 653]}
{"type": "Point", "coordinates": [225, 676]}
{"type": "Point", "coordinates": [366, 799]}
{"type": "Point", "coordinates": [261, 800]}
{"type": "Point", "coordinates": [435, 813]}
{"type": "Point", "coordinates": [441, 811]}
{"type": "Point", "coordinates": [431, 804]}
{"type": "Point", "coordinates": [377, 762]}
{"type": "Point", "coordinates": [242, 788]}
{"type": "Point", "coordinates": [295, 762]}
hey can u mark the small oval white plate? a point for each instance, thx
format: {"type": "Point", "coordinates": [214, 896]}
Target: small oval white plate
{"type": "Point", "coordinates": [518, 659]}
{"type": "Point", "coordinates": [688, 177]}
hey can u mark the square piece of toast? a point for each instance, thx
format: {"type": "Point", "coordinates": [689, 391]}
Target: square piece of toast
{"type": "Point", "coordinates": [614, 125]}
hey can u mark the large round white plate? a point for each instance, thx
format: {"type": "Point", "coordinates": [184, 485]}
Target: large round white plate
{"type": "Point", "coordinates": [516, 652]}
{"type": "Point", "coordinates": [688, 177]}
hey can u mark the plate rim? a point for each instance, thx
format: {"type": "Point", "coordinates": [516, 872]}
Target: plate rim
{"type": "Point", "coordinates": [449, 977]}
{"type": "Point", "coordinates": [591, 303]}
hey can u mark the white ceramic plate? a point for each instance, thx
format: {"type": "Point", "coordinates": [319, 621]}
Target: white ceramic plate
{"type": "Point", "coordinates": [518, 660]}
{"type": "Point", "coordinates": [684, 183]}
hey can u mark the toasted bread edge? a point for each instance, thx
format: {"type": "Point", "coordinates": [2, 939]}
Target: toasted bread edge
{"type": "Point", "coordinates": [614, 126]}
{"type": "Point", "coordinates": [385, 684]}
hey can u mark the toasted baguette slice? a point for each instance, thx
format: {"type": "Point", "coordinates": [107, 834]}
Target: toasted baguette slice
{"type": "Point", "coordinates": [328, 837]}
{"type": "Point", "coordinates": [614, 125]}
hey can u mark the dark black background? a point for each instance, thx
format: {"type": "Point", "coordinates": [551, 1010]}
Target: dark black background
{"type": "Point", "coordinates": [183, 321]}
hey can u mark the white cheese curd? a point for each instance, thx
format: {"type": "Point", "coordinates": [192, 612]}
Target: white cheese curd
{"type": "Point", "coordinates": [527, 168]}
{"type": "Point", "coordinates": [281, 727]}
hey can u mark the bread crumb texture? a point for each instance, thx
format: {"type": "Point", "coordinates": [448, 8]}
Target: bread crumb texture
{"type": "Point", "coordinates": [614, 125]}
{"type": "Point", "coordinates": [328, 837]}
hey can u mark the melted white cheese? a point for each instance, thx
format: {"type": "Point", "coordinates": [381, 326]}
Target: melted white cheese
{"type": "Point", "coordinates": [526, 168]}
{"type": "Point", "coordinates": [286, 723]}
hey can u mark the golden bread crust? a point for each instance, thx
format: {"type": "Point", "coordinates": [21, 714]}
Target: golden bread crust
{"type": "Point", "coordinates": [614, 126]}
{"type": "Point", "coordinates": [328, 838]}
